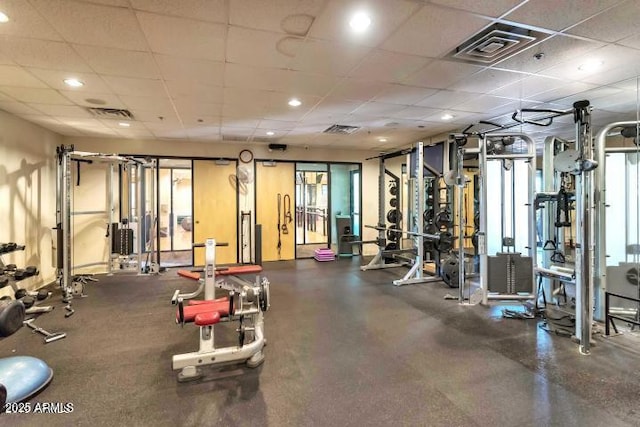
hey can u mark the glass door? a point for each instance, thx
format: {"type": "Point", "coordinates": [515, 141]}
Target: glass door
{"type": "Point", "coordinates": [175, 212]}
{"type": "Point", "coordinates": [312, 202]}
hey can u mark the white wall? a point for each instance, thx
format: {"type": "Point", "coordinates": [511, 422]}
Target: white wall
{"type": "Point", "coordinates": [27, 195]}
{"type": "Point", "coordinates": [231, 150]}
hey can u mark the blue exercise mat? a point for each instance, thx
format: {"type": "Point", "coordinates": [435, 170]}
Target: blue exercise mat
{"type": "Point", "coordinates": [23, 376]}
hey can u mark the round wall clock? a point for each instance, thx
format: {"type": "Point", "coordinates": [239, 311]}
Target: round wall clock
{"type": "Point", "coordinates": [246, 156]}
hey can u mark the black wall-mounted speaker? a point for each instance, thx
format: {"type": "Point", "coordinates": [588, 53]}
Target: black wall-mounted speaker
{"type": "Point", "coordinates": [278, 147]}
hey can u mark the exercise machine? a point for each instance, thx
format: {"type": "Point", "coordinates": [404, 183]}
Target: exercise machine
{"type": "Point", "coordinates": [245, 302]}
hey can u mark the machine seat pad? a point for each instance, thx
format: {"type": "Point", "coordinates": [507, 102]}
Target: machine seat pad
{"type": "Point", "coordinates": [189, 274]}
{"type": "Point", "coordinates": [191, 311]}
{"type": "Point", "coordinates": [240, 270]}
{"type": "Point", "coordinates": [208, 301]}
{"type": "Point", "coordinates": [206, 319]}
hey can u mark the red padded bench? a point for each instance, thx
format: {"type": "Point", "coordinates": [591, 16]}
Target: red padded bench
{"type": "Point", "coordinates": [225, 271]}
{"type": "Point", "coordinates": [205, 312]}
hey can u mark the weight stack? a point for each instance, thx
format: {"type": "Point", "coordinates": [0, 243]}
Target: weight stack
{"type": "Point", "coordinates": [122, 240]}
{"type": "Point", "coordinates": [509, 273]}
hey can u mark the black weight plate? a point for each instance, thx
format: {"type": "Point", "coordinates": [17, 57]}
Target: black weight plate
{"type": "Point", "coordinates": [394, 216]}
{"type": "Point", "coordinates": [443, 219]}
{"type": "Point", "coordinates": [28, 301]}
{"type": "Point", "coordinates": [4, 281]}
{"type": "Point", "coordinates": [393, 235]}
{"type": "Point", "coordinates": [42, 294]}
{"type": "Point", "coordinates": [449, 272]}
{"type": "Point", "coordinates": [445, 242]}
{"type": "Point", "coordinates": [428, 215]}
{"type": "Point", "coordinates": [20, 293]}
{"type": "Point", "coordinates": [19, 274]}
{"type": "Point", "coordinates": [11, 317]}
{"type": "Point", "coordinates": [393, 190]}
{"type": "Point", "coordinates": [393, 202]}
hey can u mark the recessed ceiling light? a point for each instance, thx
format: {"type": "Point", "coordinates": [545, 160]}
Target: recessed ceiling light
{"type": "Point", "coordinates": [95, 101]}
{"type": "Point", "coordinates": [360, 22]}
{"type": "Point", "coordinates": [270, 133]}
{"type": "Point", "coordinates": [446, 116]}
{"type": "Point", "coordinates": [382, 139]}
{"type": "Point", "coordinates": [295, 102]}
{"type": "Point", "coordinates": [73, 82]}
{"type": "Point", "coordinates": [591, 65]}
{"type": "Point", "coordinates": [124, 124]}
{"type": "Point", "coordinates": [3, 18]}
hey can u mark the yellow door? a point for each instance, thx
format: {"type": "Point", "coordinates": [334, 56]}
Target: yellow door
{"type": "Point", "coordinates": [215, 210]}
{"type": "Point", "coordinates": [271, 181]}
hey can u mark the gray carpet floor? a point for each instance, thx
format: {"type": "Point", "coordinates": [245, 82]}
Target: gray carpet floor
{"type": "Point", "coordinates": [344, 348]}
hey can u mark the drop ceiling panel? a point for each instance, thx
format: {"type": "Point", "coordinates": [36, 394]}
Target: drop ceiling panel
{"type": "Point", "coordinates": [187, 38]}
{"type": "Point", "coordinates": [41, 96]}
{"type": "Point", "coordinates": [240, 111]}
{"type": "Point", "coordinates": [446, 99]}
{"type": "Point", "coordinates": [282, 16]}
{"type": "Point", "coordinates": [196, 91]}
{"type": "Point", "coordinates": [487, 81]}
{"type": "Point", "coordinates": [244, 122]}
{"type": "Point", "coordinates": [486, 103]}
{"type": "Point", "coordinates": [170, 134]}
{"type": "Point", "coordinates": [80, 98]}
{"type": "Point", "coordinates": [55, 80]}
{"type": "Point", "coordinates": [378, 109]}
{"type": "Point", "coordinates": [159, 117]}
{"type": "Point", "coordinates": [62, 110]}
{"type": "Point", "coordinates": [403, 94]}
{"type": "Point", "coordinates": [25, 21]}
{"type": "Point", "coordinates": [557, 15]}
{"type": "Point", "coordinates": [135, 87]}
{"type": "Point", "coordinates": [92, 24]}
{"type": "Point", "coordinates": [260, 48]}
{"type": "Point", "coordinates": [556, 49]}
{"type": "Point", "coordinates": [331, 58]}
{"type": "Point", "coordinates": [42, 54]}
{"type": "Point", "coordinates": [441, 74]}
{"type": "Point", "coordinates": [146, 103]}
{"type": "Point", "coordinates": [17, 76]}
{"type": "Point", "coordinates": [243, 76]}
{"type": "Point", "coordinates": [423, 33]}
{"type": "Point", "coordinates": [332, 109]}
{"type": "Point", "coordinates": [18, 108]}
{"type": "Point", "coordinates": [388, 66]}
{"type": "Point", "coordinates": [528, 87]}
{"type": "Point", "coordinates": [414, 113]}
{"type": "Point", "coordinates": [357, 89]}
{"type": "Point", "coordinates": [176, 68]}
{"type": "Point", "coordinates": [188, 108]}
{"type": "Point", "coordinates": [276, 125]}
{"type": "Point", "coordinates": [117, 62]}
{"type": "Point", "coordinates": [633, 41]}
{"type": "Point", "coordinates": [567, 89]}
{"type": "Point", "coordinates": [611, 25]}
{"type": "Point", "coordinates": [491, 8]}
{"type": "Point", "coordinates": [206, 10]}
{"type": "Point", "coordinates": [298, 83]}
{"type": "Point", "coordinates": [204, 132]}
{"type": "Point", "coordinates": [240, 96]}
{"type": "Point", "coordinates": [386, 16]}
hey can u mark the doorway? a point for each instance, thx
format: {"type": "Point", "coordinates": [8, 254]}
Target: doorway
{"type": "Point", "coordinates": [175, 216]}
{"type": "Point", "coordinates": [312, 201]}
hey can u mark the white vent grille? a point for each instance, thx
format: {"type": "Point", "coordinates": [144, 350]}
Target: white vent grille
{"type": "Point", "coordinates": [341, 129]}
{"type": "Point", "coordinates": [496, 43]}
{"type": "Point", "coordinates": [111, 113]}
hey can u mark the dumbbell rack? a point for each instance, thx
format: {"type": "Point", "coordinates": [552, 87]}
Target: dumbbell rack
{"type": "Point", "coordinates": [10, 275]}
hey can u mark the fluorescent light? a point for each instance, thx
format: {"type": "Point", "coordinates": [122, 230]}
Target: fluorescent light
{"type": "Point", "coordinates": [3, 18]}
{"type": "Point", "coordinates": [360, 22]}
{"type": "Point", "coordinates": [446, 116]}
{"type": "Point", "coordinates": [382, 139]}
{"type": "Point", "coordinates": [591, 65]}
{"type": "Point", "coordinates": [73, 82]}
{"type": "Point", "coordinates": [124, 124]}
{"type": "Point", "coordinates": [270, 133]}
{"type": "Point", "coordinates": [295, 102]}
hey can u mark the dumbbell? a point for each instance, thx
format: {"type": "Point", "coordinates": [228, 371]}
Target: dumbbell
{"type": "Point", "coordinates": [4, 281]}
{"type": "Point", "coordinates": [42, 294]}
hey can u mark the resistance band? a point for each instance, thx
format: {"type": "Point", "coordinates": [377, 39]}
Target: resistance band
{"type": "Point", "coordinates": [279, 225]}
{"type": "Point", "coordinates": [287, 214]}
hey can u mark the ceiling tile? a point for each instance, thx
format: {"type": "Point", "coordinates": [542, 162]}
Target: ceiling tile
{"type": "Point", "coordinates": [135, 87]}
{"type": "Point", "coordinates": [299, 83]}
{"type": "Point", "coordinates": [80, 97]}
{"type": "Point", "coordinates": [93, 24]}
{"type": "Point", "coordinates": [441, 74]}
{"type": "Point", "coordinates": [187, 38]}
{"type": "Point", "coordinates": [487, 81]}
{"type": "Point", "coordinates": [240, 122]}
{"type": "Point", "coordinates": [260, 48]}
{"type": "Point", "coordinates": [528, 87]}
{"type": "Point", "coordinates": [62, 110]}
{"type": "Point", "coordinates": [485, 103]}
{"type": "Point", "coordinates": [242, 111]}
{"type": "Point", "coordinates": [16, 76]}
{"type": "Point", "coordinates": [378, 109]}
{"type": "Point", "coordinates": [188, 108]}
{"type": "Point", "coordinates": [146, 103]}
{"type": "Point", "coordinates": [612, 25]}
{"type": "Point", "coordinates": [322, 57]}
{"type": "Point", "coordinates": [567, 89]}
{"type": "Point", "coordinates": [492, 8]}
{"type": "Point", "coordinates": [196, 91]}
{"type": "Point", "coordinates": [557, 15]}
{"type": "Point", "coordinates": [241, 96]}
{"type": "Point", "coordinates": [17, 108]}
{"type": "Point", "coordinates": [556, 49]}
{"type": "Point", "coordinates": [388, 66]}
{"type": "Point", "coordinates": [414, 113]}
{"type": "Point", "coordinates": [276, 125]}
{"type": "Point", "coordinates": [170, 134]}
{"type": "Point", "coordinates": [116, 3]}
{"type": "Point", "coordinates": [423, 33]}
{"type": "Point", "coordinates": [404, 95]}
{"type": "Point", "coordinates": [118, 62]}
{"type": "Point", "coordinates": [204, 132]}
{"type": "Point", "coordinates": [633, 41]}
{"type": "Point", "coordinates": [162, 118]}
{"type": "Point", "coordinates": [277, 108]}
{"type": "Point", "coordinates": [332, 109]}
{"type": "Point", "coordinates": [42, 96]}
{"type": "Point", "coordinates": [205, 10]}
{"type": "Point", "coordinates": [283, 16]}
{"type": "Point", "coordinates": [357, 90]}
{"type": "Point", "coordinates": [25, 21]}
{"type": "Point", "coordinates": [55, 79]}
{"type": "Point", "coordinates": [333, 22]}
{"type": "Point", "coordinates": [446, 99]}
{"type": "Point", "coordinates": [188, 69]}
{"type": "Point", "coordinates": [42, 54]}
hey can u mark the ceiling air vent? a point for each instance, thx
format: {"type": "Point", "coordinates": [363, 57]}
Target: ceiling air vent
{"type": "Point", "coordinates": [341, 129]}
{"type": "Point", "coordinates": [496, 43]}
{"type": "Point", "coordinates": [111, 113]}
